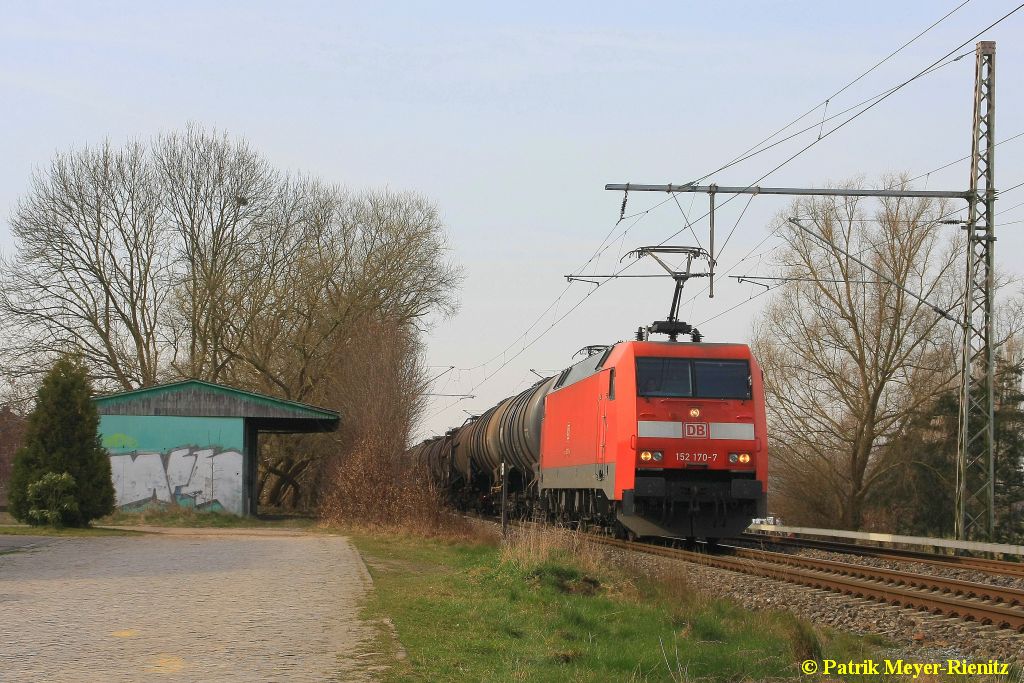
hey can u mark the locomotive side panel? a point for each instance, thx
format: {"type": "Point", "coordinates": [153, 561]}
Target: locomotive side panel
{"type": "Point", "coordinates": [570, 438]}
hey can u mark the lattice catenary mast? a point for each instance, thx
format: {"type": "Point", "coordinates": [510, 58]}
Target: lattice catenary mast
{"type": "Point", "coordinates": [975, 485]}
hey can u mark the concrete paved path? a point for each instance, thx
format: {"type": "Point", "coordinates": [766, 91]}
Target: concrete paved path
{"type": "Point", "coordinates": [187, 605]}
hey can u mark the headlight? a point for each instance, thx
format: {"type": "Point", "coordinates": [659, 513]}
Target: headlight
{"type": "Point", "coordinates": [744, 458]}
{"type": "Point", "coordinates": [733, 458]}
{"type": "Point", "coordinates": [657, 456]}
{"type": "Point", "coordinates": [646, 455]}
{"type": "Point", "coordinates": [694, 412]}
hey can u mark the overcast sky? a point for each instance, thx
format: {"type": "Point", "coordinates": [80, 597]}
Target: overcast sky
{"type": "Point", "coordinates": [512, 118]}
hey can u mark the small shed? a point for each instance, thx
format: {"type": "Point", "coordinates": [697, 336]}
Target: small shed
{"type": "Point", "coordinates": [194, 444]}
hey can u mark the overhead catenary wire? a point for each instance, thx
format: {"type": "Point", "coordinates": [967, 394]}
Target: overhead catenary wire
{"type": "Point", "coordinates": [618, 273]}
{"type": "Point", "coordinates": [941, 219]}
{"type": "Point", "coordinates": [867, 103]}
{"type": "Point", "coordinates": [918, 177]}
{"type": "Point", "coordinates": [870, 104]}
{"type": "Point", "coordinates": [935, 65]}
{"type": "Point", "coordinates": [963, 158]}
{"type": "Point", "coordinates": [687, 219]}
{"type": "Point", "coordinates": [774, 232]}
{"type": "Point", "coordinates": [751, 151]}
{"type": "Point", "coordinates": [572, 309]}
{"type": "Point", "coordinates": [558, 299]}
{"type": "Point", "coordinates": [783, 281]}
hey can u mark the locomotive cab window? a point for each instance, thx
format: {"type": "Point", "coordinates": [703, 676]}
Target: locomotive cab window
{"type": "Point", "coordinates": [687, 378]}
{"type": "Point", "coordinates": [663, 377]}
{"type": "Point", "coordinates": [722, 378]}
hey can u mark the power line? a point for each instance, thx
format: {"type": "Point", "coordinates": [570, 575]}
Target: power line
{"type": "Point", "coordinates": [867, 103]}
{"type": "Point", "coordinates": [870, 101]}
{"type": "Point", "coordinates": [874, 100]}
{"type": "Point", "coordinates": [965, 158]}
{"type": "Point", "coordinates": [1010, 189]}
{"type": "Point", "coordinates": [733, 308]}
{"type": "Point", "coordinates": [934, 66]}
{"type": "Point", "coordinates": [617, 273]}
{"type": "Point", "coordinates": [1010, 208]}
{"type": "Point", "coordinates": [750, 151]}
{"type": "Point", "coordinates": [938, 219]}
{"type": "Point", "coordinates": [783, 281]}
{"type": "Point", "coordinates": [597, 253]}
{"type": "Point", "coordinates": [566, 314]}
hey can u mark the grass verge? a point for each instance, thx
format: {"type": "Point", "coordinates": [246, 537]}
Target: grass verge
{"type": "Point", "coordinates": [554, 609]}
{"type": "Point", "coordinates": [186, 517]}
{"type": "Point", "coordinates": [63, 531]}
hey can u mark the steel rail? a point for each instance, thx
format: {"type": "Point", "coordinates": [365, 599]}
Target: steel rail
{"type": "Point", "coordinates": [1001, 567]}
{"type": "Point", "coordinates": [969, 589]}
{"type": "Point", "coordinates": [998, 615]}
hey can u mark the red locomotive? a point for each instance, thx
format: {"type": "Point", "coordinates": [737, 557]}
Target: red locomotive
{"type": "Point", "coordinates": [642, 438]}
{"type": "Point", "coordinates": [647, 438]}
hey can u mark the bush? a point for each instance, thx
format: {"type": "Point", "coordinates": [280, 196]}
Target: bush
{"type": "Point", "coordinates": [51, 500]}
{"type": "Point", "coordinates": [375, 487]}
{"type": "Point", "coordinates": [62, 435]}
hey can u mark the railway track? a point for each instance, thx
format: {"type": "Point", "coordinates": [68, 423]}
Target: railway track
{"type": "Point", "coordinates": [1013, 569]}
{"type": "Point", "coordinates": [1000, 607]}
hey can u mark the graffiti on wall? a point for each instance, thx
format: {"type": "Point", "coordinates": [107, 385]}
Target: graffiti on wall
{"type": "Point", "coordinates": [192, 477]}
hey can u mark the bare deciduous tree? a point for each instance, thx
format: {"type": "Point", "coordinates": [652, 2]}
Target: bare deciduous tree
{"type": "Point", "coordinates": [217, 193]}
{"type": "Point", "coordinates": [193, 257]}
{"type": "Point", "coordinates": [91, 272]}
{"type": "Point", "coordinates": [342, 313]}
{"type": "Point", "coordinates": [849, 357]}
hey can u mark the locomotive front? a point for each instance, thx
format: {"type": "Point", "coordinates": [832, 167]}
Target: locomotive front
{"type": "Point", "coordinates": [700, 455]}
{"type": "Point", "coordinates": [660, 439]}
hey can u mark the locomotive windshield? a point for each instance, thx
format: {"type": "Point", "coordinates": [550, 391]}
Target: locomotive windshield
{"type": "Point", "coordinates": [686, 378]}
{"type": "Point", "coordinates": [669, 377]}
{"type": "Point", "coordinates": [722, 378]}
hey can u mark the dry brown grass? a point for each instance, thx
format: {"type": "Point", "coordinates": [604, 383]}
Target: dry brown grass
{"type": "Point", "coordinates": [376, 489]}
{"type": "Point", "coordinates": [531, 545]}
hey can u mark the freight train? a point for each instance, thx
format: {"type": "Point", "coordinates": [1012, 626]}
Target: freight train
{"type": "Point", "coordinates": [640, 438]}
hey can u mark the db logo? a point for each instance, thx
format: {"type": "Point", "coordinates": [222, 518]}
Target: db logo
{"type": "Point", "coordinates": [695, 430]}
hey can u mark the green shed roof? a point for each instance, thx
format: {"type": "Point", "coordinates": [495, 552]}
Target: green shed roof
{"type": "Point", "coordinates": [197, 398]}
